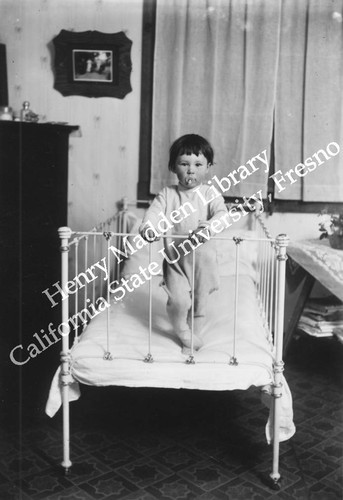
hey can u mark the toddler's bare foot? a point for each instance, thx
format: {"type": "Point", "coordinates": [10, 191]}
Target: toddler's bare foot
{"type": "Point", "coordinates": [186, 339]}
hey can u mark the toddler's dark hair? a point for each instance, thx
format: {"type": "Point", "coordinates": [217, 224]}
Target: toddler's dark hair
{"type": "Point", "coordinates": [189, 144]}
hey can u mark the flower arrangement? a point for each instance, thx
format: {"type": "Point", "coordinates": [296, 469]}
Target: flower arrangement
{"type": "Point", "coordinates": [331, 227]}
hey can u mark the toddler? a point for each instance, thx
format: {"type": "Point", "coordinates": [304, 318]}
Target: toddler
{"type": "Point", "coordinates": [190, 158]}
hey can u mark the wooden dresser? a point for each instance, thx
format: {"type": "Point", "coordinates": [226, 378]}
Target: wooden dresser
{"type": "Point", "coordinates": [34, 203]}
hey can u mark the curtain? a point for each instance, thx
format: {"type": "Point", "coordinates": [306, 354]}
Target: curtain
{"type": "Point", "coordinates": [308, 108]}
{"type": "Point", "coordinates": [323, 113]}
{"type": "Point", "coordinates": [232, 70]}
{"type": "Point", "coordinates": [215, 75]}
{"type": "Point", "coordinates": [289, 109]}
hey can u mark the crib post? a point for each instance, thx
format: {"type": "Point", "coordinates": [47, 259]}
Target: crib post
{"type": "Point", "coordinates": [65, 234]}
{"type": "Point", "coordinates": [282, 241]}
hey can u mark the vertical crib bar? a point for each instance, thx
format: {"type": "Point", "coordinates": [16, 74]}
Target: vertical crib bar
{"type": "Point", "coordinates": [100, 255]}
{"type": "Point", "coordinates": [150, 302]}
{"type": "Point", "coordinates": [269, 298]}
{"type": "Point", "coordinates": [148, 358]}
{"type": "Point", "coordinates": [270, 289]}
{"type": "Point", "coordinates": [271, 319]}
{"type": "Point", "coordinates": [190, 359]}
{"type": "Point", "coordinates": [108, 355]}
{"type": "Point", "coordinates": [263, 295]}
{"type": "Point", "coordinates": [193, 288]}
{"type": "Point", "coordinates": [233, 359]}
{"type": "Point", "coordinates": [94, 260]}
{"type": "Point", "coordinates": [76, 256]}
{"type": "Point", "coordinates": [86, 267]}
{"type": "Point", "coordinates": [108, 295]}
{"type": "Point", "coordinates": [120, 229]}
{"type": "Point", "coordinates": [65, 234]}
{"type": "Point", "coordinates": [123, 229]}
{"type": "Point", "coordinates": [124, 222]}
{"type": "Point", "coordinates": [268, 282]}
{"type": "Point", "coordinates": [259, 266]}
{"type": "Point", "coordinates": [261, 274]}
{"type": "Point", "coordinates": [282, 241]}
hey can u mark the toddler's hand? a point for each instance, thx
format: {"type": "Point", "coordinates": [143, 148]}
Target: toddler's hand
{"type": "Point", "coordinates": [147, 234]}
{"type": "Point", "coordinates": [198, 236]}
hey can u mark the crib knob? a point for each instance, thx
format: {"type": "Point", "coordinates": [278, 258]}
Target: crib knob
{"type": "Point", "coordinates": [190, 360]}
{"type": "Point", "coordinates": [64, 232]}
{"type": "Point", "coordinates": [233, 361]}
{"type": "Point", "coordinates": [282, 240]}
{"type": "Point", "coordinates": [148, 358]}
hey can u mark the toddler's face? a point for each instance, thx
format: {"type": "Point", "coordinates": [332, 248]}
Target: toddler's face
{"type": "Point", "coordinates": [191, 170]}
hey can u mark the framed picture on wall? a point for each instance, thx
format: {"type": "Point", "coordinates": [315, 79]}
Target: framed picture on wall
{"type": "Point", "coordinates": [92, 64]}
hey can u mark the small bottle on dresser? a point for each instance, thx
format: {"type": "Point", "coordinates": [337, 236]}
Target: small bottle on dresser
{"type": "Point", "coordinates": [25, 111]}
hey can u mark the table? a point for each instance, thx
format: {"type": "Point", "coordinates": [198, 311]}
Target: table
{"type": "Point", "coordinates": [309, 261]}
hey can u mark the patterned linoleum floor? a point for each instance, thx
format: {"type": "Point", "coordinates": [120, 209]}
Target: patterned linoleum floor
{"type": "Point", "coordinates": [168, 444]}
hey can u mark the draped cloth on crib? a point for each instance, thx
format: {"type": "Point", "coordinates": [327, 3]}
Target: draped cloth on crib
{"type": "Point", "coordinates": [286, 428]}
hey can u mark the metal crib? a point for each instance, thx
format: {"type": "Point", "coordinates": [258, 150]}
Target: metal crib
{"type": "Point", "coordinates": [78, 249]}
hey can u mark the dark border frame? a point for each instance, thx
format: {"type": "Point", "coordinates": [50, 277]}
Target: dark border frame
{"type": "Point", "coordinates": [120, 46]}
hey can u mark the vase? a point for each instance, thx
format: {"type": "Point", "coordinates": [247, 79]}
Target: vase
{"type": "Point", "coordinates": [336, 241]}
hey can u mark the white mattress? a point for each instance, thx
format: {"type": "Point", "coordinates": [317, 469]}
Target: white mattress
{"type": "Point", "coordinates": [128, 342]}
{"type": "Point", "coordinates": [129, 337]}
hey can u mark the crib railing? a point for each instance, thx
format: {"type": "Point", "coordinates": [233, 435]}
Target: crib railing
{"type": "Point", "coordinates": [87, 256]}
{"type": "Point", "coordinates": [91, 257]}
{"type": "Point", "coordinates": [88, 248]}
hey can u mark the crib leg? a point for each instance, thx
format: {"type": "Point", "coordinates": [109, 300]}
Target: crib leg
{"type": "Point", "coordinates": [66, 463]}
{"type": "Point", "coordinates": [282, 241]}
{"type": "Point", "coordinates": [274, 482]}
{"type": "Point", "coordinates": [65, 234]}
{"type": "Point", "coordinates": [275, 474]}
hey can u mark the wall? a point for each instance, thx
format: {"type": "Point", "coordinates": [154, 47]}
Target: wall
{"type": "Point", "coordinates": [103, 163]}
{"type": "Point", "coordinates": [296, 225]}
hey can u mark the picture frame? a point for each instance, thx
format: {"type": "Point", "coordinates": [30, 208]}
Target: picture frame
{"type": "Point", "coordinates": [92, 64]}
